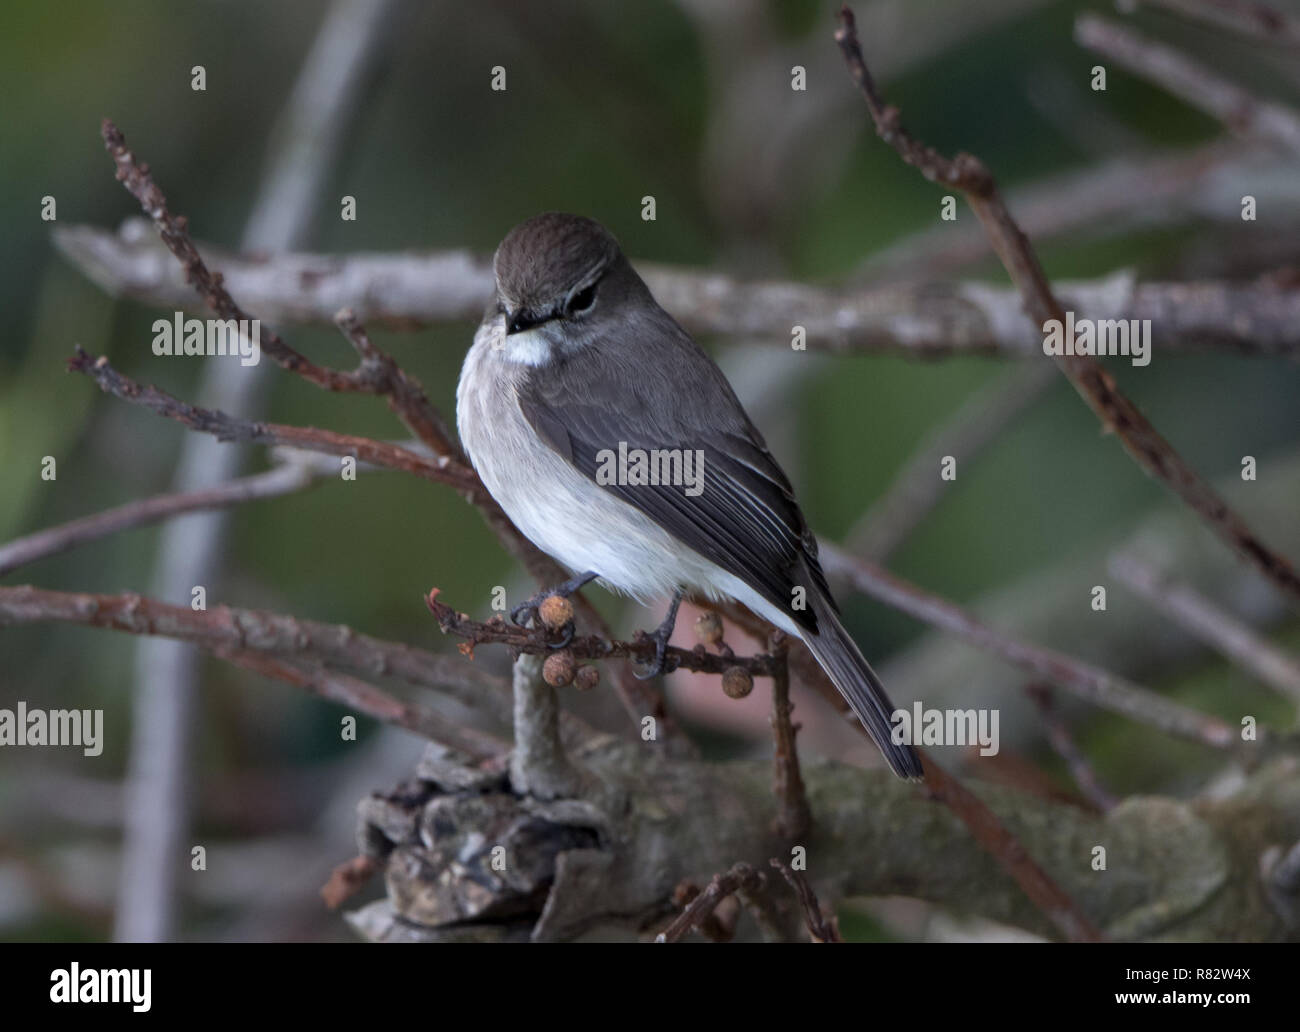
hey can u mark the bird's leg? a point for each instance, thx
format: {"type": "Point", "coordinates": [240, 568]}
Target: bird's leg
{"type": "Point", "coordinates": [527, 611]}
{"type": "Point", "coordinates": [660, 637]}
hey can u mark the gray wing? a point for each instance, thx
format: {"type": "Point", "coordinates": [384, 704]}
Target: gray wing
{"type": "Point", "coordinates": [746, 518]}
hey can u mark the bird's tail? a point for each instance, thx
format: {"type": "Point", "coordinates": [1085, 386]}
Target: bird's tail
{"type": "Point", "coordinates": [849, 671]}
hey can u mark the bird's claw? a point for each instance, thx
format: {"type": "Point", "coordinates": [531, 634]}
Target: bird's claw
{"type": "Point", "coordinates": [660, 636]}
{"type": "Point", "coordinates": [528, 612]}
{"type": "Point", "coordinates": [658, 666]}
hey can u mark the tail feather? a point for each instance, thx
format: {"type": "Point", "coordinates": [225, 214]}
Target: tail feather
{"type": "Point", "coordinates": [849, 671]}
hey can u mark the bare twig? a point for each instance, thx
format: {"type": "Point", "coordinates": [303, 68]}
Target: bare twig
{"type": "Point", "coordinates": [1212, 624]}
{"type": "Point", "coordinates": [1140, 439]}
{"type": "Point", "coordinates": [282, 480]}
{"type": "Point", "coordinates": [1109, 197]}
{"type": "Point", "coordinates": [1247, 18]}
{"type": "Point", "coordinates": [1191, 81]}
{"type": "Point", "coordinates": [257, 631]}
{"type": "Point", "coordinates": [366, 698]}
{"type": "Point", "coordinates": [174, 230]}
{"type": "Point", "coordinates": [1058, 734]}
{"type": "Point", "coordinates": [793, 816]}
{"type": "Point", "coordinates": [924, 319]}
{"type": "Point", "coordinates": [822, 926]}
{"type": "Point", "coordinates": [1093, 684]}
{"type": "Point", "coordinates": [720, 886]}
{"type": "Point", "coordinates": [993, 836]}
{"type": "Point", "coordinates": [379, 374]}
{"type": "Point", "coordinates": [918, 486]}
{"type": "Point", "coordinates": [228, 428]}
{"type": "Point", "coordinates": [536, 642]}
{"type": "Point", "coordinates": [348, 879]}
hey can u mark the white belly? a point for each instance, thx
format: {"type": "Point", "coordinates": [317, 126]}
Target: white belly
{"type": "Point", "coordinates": [567, 516]}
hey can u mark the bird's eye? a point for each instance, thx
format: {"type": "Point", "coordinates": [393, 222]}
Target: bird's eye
{"type": "Point", "coordinates": [582, 300]}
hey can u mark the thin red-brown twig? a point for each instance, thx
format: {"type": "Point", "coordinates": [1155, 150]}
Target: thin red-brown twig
{"type": "Point", "coordinates": [1212, 624]}
{"type": "Point", "coordinates": [365, 698]}
{"type": "Point", "coordinates": [740, 876]}
{"type": "Point", "coordinates": [225, 427]}
{"type": "Point", "coordinates": [380, 374]}
{"type": "Point", "coordinates": [1192, 81]}
{"type": "Point", "coordinates": [538, 642]}
{"type": "Point", "coordinates": [1093, 684]}
{"type": "Point", "coordinates": [822, 926]}
{"type": "Point", "coordinates": [257, 631]}
{"type": "Point", "coordinates": [282, 480]}
{"type": "Point", "coordinates": [375, 376]}
{"type": "Point", "coordinates": [1011, 855]}
{"type": "Point", "coordinates": [347, 879]}
{"type": "Point", "coordinates": [793, 820]}
{"type": "Point", "coordinates": [917, 487]}
{"type": "Point", "coordinates": [1062, 742]}
{"type": "Point", "coordinates": [1119, 415]}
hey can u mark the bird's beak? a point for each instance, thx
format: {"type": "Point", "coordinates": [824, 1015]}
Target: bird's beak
{"type": "Point", "coordinates": [522, 319]}
{"type": "Point", "coordinates": [517, 321]}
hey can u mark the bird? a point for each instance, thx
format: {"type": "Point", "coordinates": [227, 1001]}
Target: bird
{"type": "Point", "coordinates": [617, 446]}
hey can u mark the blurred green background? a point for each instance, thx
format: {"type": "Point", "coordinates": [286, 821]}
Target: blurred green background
{"type": "Point", "coordinates": [606, 103]}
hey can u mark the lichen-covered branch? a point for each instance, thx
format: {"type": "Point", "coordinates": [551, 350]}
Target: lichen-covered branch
{"type": "Point", "coordinates": [927, 319]}
{"type": "Point", "coordinates": [1172, 869]}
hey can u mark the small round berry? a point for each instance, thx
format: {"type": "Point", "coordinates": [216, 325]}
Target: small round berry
{"type": "Point", "coordinates": [559, 668]}
{"type": "Point", "coordinates": [555, 611]}
{"type": "Point", "coordinates": [587, 678]}
{"type": "Point", "coordinates": [737, 682]}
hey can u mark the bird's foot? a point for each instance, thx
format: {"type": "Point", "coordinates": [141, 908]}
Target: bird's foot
{"type": "Point", "coordinates": [660, 636]}
{"type": "Point", "coordinates": [532, 611]}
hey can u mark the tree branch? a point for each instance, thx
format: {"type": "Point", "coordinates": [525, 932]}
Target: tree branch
{"type": "Point", "coordinates": [741, 876]}
{"type": "Point", "coordinates": [1176, 870]}
{"type": "Point", "coordinates": [1247, 18]}
{"type": "Point", "coordinates": [1092, 684]}
{"type": "Point", "coordinates": [229, 428]}
{"type": "Point", "coordinates": [917, 487]}
{"type": "Point", "coordinates": [286, 478]}
{"type": "Point", "coordinates": [257, 631]}
{"type": "Point", "coordinates": [1211, 624]}
{"type": "Point", "coordinates": [794, 819]}
{"type": "Point", "coordinates": [356, 694]}
{"type": "Point", "coordinates": [822, 927]}
{"type": "Point", "coordinates": [409, 290]}
{"type": "Point", "coordinates": [1140, 439]}
{"type": "Point", "coordinates": [539, 642]}
{"type": "Point", "coordinates": [1058, 736]}
{"type": "Point", "coordinates": [1192, 82]}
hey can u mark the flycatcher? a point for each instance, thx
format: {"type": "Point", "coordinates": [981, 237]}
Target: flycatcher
{"type": "Point", "coordinates": [616, 445]}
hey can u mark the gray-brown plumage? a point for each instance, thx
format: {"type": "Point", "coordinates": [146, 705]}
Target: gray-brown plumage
{"type": "Point", "coordinates": [577, 359]}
